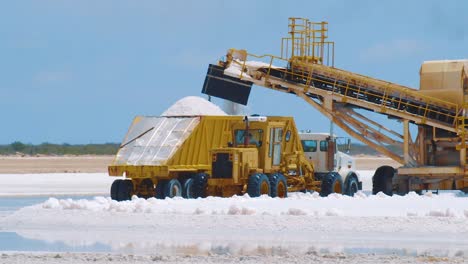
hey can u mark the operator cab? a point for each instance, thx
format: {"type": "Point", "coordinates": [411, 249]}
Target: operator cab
{"type": "Point", "coordinates": [254, 137]}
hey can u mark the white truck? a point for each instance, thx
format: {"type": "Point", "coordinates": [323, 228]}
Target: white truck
{"type": "Point", "coordinates": [330, 163]}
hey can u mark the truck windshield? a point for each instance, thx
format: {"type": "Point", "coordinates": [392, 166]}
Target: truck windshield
{"type": "Point", "coordinates": [309, 145]}
{"type": "Point", "coordinates": [255, 137]}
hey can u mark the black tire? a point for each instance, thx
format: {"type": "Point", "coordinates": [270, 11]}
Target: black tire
{"type": "Point", "coordinates": [382, 180]}
{"type": "Point", "coordinates": [160, 187]}
{"type": "Point", "coordinates": [173, 188]}
{"type": "Point", "coordinates": [331, 183]}
{"type": "Point", "coordinates": [258, 185]}
{"type": "Point", "coordinates": [148, 186]}
{"type": "Point", "coordinates": [278, 185]}
{"type": "Point", "coordinates": [402, 186]}
{"type": "Point", "coordinates": [352, 185]}
{"type": "Point", "coordinates": [187, 190]}
{"type": "Point", "coordinates": [125, 190]}
{"type": "Point", "coordinates": [115, 189]}
{"type": "Point", "coordinates": [200, 181]}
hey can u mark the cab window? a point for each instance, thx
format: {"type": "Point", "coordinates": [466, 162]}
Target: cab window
{"type": "Point", "coordinates": [323, 145]}
{"type": "Point", "coordinates": [255, 137]}
{"type": "Point", "coordinates": [309, 145]}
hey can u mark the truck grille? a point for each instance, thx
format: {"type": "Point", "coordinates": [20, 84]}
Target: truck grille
{"type": "Point", "coordinates": [222, 166]}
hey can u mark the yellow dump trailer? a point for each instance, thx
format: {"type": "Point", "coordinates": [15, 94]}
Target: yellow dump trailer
{"type": "Point", "coordinates": [194, 156]}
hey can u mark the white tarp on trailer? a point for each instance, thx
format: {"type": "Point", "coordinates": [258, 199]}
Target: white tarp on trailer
{"type": "Point", "coordinates": [153, 140]}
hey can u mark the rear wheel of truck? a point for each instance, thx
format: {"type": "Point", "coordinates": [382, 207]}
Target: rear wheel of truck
{"type": "Point", "coordinates": [402, 185]}
{"type": "Point", "coordinates": [146, 189]}
{"type": "Point", "coordinates": [382, 180]}
{"type": "Point", "coordinates": [115, 189]}
{"type": "Point", "coordinates": [160, 187]}
{"type": "Point", "coordinates": [173, 188]}
{"type": "Point", "coordinates": [200, 181]}
{"type": "Point", "coordinates": [278, 185]}
{"type": "Point", "coordinates": [125, 190]}
{"type": "Point", "coordinates": [331, 183]}
{"type": "Point", "coordinates": [258, 185]}
{"type": "Point", "coordinates": [352, 186]}
{"type": "Point", "coordinates": [187, 189]}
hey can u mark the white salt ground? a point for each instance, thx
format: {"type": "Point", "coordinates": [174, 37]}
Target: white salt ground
{"type": "Point", "coordinates": [435, 225]}
{"type": "Point", "coordinates": [193, 106]}
{"type": "Point", "coordinates": [448, 205]}
{"type": "Point", "coordinates": [52, 184]}
{"type": "Point", "coordinates": [303, 228]}
{"type": "Point", "coordinates": [310, 257]}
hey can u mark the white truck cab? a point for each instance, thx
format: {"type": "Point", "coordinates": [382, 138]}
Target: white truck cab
{"type": "Point", "coordinates": [336, 169]}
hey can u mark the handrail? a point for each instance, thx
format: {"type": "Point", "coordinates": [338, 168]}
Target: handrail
{"type": "Point", "coordinates": [392, 93]}
{"type": "Point", "coordinates": [400, 88]}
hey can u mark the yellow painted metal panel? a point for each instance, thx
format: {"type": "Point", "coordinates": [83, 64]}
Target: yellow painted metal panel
{"type": "Point", "coordinates": [139, 171]}
{"type": "Point", "coordinates": [444, 79]}
{"type": "Point", "coordinates": [431, 171]}
{"type": "Point", "coordinates": [212, 132]}
{"type": "Point", "coordinates": [446, 75]}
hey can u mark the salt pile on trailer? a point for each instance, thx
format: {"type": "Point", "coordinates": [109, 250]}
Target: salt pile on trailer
{"type": "Point", "coordinates": [152, 140]}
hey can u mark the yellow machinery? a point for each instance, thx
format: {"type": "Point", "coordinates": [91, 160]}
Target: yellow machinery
{"type": "Point", "coordinates": [435, 159]}
{"type": "Point", "coordinates": [194, 156]}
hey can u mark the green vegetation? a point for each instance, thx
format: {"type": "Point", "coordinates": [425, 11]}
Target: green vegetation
{"type": "Point", "coordinates": [111, 148]}
{"type": "Point", "coordinates": [58, 149]}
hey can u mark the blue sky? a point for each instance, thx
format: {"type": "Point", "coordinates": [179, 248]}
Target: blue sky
{"type": "Point", "coordinates": [79, 71]}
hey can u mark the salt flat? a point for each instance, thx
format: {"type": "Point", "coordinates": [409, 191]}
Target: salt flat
{"type": "Point", "coordinates": [300, 228]}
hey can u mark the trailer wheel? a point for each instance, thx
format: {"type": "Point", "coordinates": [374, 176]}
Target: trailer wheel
{"type": "Point", "coordinates": [352, 186]}
{"type": "Point", "coordinates": [258, 185]}
{"type": "Point", "coordinates": [331, 183]}
{"type": "Point", "coordinates": [147, 188]}
{"type": "Point", "coordinates": [402, 185]}
{"type": "Point", "coordinates": [187, 190]}
{"type": "Point", "coordinates": [200, 181]}
{"type": "Point", "coordinates": [382, 180]}
{"type": "Point", "coordinates": [173, 188]}
{"type": "Point", "coordinates": [125, 190]}
{"type": "Point", "coordinates": [160, 187]}
{"type": "Point", "coordinates": [278, 185]}
{"type": "Point", "coordinates": [115, 189]}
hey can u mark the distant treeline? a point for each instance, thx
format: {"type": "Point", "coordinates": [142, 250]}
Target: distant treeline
{"type": "Point", "coordinates": [58, 149]}
{"type": "Point", "coordinates": [111, 148]}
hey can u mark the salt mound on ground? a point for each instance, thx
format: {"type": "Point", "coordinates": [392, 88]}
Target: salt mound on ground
{"type": "Point", "coordinates": [193, 106]}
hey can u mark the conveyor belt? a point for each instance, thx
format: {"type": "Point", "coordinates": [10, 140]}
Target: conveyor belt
{"type": "Point", "coordinates": [318, 81]}
{"type": "Point", "coordinates": [329, 83]}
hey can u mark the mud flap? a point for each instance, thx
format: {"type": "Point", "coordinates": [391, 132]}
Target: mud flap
{"type": "Point", "coordinates": [226, 87]}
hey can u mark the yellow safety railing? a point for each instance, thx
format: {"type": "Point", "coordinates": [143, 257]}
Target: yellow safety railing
{"type": "Point", "coordinates": [346, 83]}
{"type": "Point", "coordinates": [308, 55]}
{"type": "Point", "coordinates": [462, 122]}
{"type": "Point", "coordinates": [308, 41]}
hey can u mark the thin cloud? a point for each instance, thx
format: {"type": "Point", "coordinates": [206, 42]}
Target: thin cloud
{"type": "Point", "coordinates": [393, 50]}
{"type": "Point", "coordinates": [51, 77]}
{"type": "Point", "coordinates": [194, 59]}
